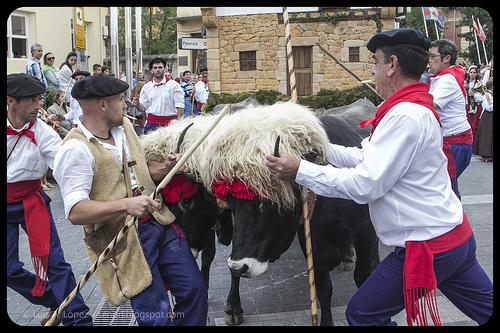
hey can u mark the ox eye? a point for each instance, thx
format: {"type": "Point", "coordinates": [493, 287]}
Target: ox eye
{"type": "Point", "coordinates": [185, 203]}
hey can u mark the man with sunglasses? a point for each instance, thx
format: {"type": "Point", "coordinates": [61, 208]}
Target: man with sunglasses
{"type": "Point", "coordinates": [447, 88]}
{"type": "Point", "coordinates": [31, 149]}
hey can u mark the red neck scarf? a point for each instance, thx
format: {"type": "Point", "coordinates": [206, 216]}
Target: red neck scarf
{"type": "Point", "coordinates": [167, 78]}
{"type": "Point", "coordinates": [37, 220]}
{"type": "Point", "coordinates": [25, 132]}
{"type": "Point", "coordinates": [457, 72]}
{"type": "Point", "coordinates": [417, 93]}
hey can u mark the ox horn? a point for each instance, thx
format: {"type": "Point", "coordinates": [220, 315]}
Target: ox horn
{"type": "Point", "coordinates": [277, 147]}
{"type": "Point", "coordinates": [181, 138]}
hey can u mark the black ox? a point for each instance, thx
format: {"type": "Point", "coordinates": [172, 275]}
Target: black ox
{"type": "Point", "coordinates": [261, 233]}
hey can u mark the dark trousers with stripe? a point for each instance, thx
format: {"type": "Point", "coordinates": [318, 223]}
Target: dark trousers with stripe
{"type": "Point", "coordinates": [174, 268]}
{"type": "Point", "coordinates": [61, 280]}
{"type": "Point", "coordinates": [459, 275]}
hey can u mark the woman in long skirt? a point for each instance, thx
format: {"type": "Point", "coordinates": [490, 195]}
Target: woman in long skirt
{"type": "Point", "coordinates": [484, 142]}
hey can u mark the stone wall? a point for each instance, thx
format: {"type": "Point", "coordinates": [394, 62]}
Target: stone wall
{"type": "Point", "coordinates": [265, 34]}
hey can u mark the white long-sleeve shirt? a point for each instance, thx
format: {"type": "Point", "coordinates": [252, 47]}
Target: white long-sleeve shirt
{"type": "Point", "coordinates": [75, 111]}
{"type": "Point", "coordinates": [201, 92]}
{"type": "Point", "coordinates": [162, 99]}
{"type": "Point", "coordinates": [401, 173]}
{"type": "Point", "coordinates": [451, 101]}
{"type": "Point", "coordinates": [74, 166]}
{"type": "Point", "coordinates": [64, 77]}
{"type": "Point", "coordinates": [29, 161]}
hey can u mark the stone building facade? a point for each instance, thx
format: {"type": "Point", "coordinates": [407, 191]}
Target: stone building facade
{"type": "Point", "coordinates": [258, 40]}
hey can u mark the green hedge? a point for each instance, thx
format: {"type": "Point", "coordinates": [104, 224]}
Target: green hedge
{"type": "Point", "coordinates": [325, 99]}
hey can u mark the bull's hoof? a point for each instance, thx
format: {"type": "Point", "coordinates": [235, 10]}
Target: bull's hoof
{"type": "Point", "coordinates": [232, 319]}
{"type": "Point", "coordinates": [346, 266]}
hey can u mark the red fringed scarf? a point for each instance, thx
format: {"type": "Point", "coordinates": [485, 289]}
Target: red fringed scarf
{"type": "Point", "coordinates": [236, 188]}
{"type": "Point", "coordinates": [37, 220]}
{"type": "Point", "coordinates": [419, 278]}
{"type": "Point", "coordinates": [417, 93]}
{"type": "Point", "coordinates": [180, 187]}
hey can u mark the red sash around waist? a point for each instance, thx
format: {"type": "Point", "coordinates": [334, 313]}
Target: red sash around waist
{"type": "Point", "coordinates": [159, 120]}
{"type": "Point", "coordinates": [465, 137]}
{"type": "Point", "coordinates": [37, 220]}
{"type": "Point", "coordinates": [419, 278]}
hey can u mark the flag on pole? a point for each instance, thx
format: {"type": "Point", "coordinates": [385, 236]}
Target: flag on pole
{"type": "Point", "coordinates": [432, 13]}
{"type": "Point", "coordinates": [482, 35]}
{"type": "Point", "coordinates": [474, 25]}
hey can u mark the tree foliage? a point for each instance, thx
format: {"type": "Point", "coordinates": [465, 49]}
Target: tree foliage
{"type": "Point", "coordinates": [159, 30]}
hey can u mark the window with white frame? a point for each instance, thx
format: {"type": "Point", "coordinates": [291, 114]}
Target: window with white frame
{"type": "Point", "coordinates": [17, 36]}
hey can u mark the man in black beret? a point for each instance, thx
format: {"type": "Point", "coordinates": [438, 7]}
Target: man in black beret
{"type": "Point", "coordinates": [104, 177]}
{"type": "Point", "coordinates": [401, 173]}
{"type": "Point", "coordinates": [31, 148]}
{"type": "Point", "coordinates": [161, 98]}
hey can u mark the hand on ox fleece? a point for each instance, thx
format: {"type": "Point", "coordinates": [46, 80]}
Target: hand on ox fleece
{"type": "Point", "coordinates": [284, 167]}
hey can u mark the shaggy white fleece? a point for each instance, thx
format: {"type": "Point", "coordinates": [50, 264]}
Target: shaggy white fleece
{"type": "Point", "coordinates": [237, 146]}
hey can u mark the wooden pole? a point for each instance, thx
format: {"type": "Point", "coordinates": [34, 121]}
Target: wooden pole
{"type": "Point", "coordinates": [131, 220]}
{"type": "Point", "coordinates": [349, 71]}
{"type": "Point", "coordinates": [305, 210]}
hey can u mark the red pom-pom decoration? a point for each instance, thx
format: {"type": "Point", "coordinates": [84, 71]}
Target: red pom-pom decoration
{"type": "Point", "coordinates": [236, 188]}
{"type": "Point", "coordinates": [180, 187]}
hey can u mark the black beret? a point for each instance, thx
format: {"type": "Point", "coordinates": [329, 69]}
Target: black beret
{"type": "Point", "coordinates": [76, 73]}
{"type": "Point", "coordinates": [155, 60]}
{"type": "Point", "coordinates": [23, 85]}
{"type": "Point", "coordinates": [98, 86]}
{"type": "Point", "coordinates": [399, 36]}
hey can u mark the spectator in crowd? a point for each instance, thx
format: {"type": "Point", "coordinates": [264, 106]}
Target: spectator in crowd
{"type": "Point", "coordinates": [187, 86]}
{"type": "Point", "coordinates": [33, 66]}
{"type": "Point", "coordinates": [161, 98]}
{"type": "Point", "coordinates": [134, 78]}
{"type": "Point", "coordinates": [201, 91]}
{"type": "Point", "coordinates": [447, 88]}
{"type": "Point", "coordinates": [474, 108]}
{"type": "Point", "coordinates": [59, 109]}
{"type": "Point", "coordinates": [75, 111]}
{"type": "Point", "coordinates": [106, 70]}
{"type": "Point", "coordinates": [485, 73]}
{"type": "Point", "coordinates": [133, 111]}
{"type": "Point", "coordinates": [65, 71]}
{"type": "Point", "coordinates": [484, 142]}
{"type": "Point", "coordinates": [123, 77]}
{"type": "Point", "coordinates": [50, 72]}
{"type": "Point", "coordinates": [96, 69]}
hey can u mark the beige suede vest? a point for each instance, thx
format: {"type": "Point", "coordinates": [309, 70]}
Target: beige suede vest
{"type": "Point", "coordinates": [126, 272]}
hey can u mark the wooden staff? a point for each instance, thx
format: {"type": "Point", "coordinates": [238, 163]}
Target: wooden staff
{"type": "Point", "coordinates": [131, 220]}
{"type": "Point", "coordinates": [349, 71]}
{"type": "Point", "coordinates": [65, 92]}
{"type": "Point", "coordinates": [305, 208]}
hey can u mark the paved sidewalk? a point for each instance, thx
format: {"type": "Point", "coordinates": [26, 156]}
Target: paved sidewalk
{"type": "Point", "coordinates": [278, 297]}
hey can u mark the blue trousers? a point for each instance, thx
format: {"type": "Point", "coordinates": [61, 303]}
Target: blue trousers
{"type": "Point", "coordinates": [462, 154]}
{"type": "Point", "coordinates": [61, 280]}
{"type": "Point", "coordinates": [174, 267]}
{"type": "Point", "coordinates": [188, 107]}
{"type": "Point", "coordinates": [459, 277]}
{"type": "Point", "coordinates": [150, 128]}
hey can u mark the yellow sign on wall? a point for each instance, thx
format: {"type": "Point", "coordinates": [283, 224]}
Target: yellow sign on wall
{"type": "Point", "coordinates": [79, 28]}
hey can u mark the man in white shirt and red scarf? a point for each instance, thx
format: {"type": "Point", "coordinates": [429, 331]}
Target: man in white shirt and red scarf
{"type": "Point", "coordinates": [31, 148]}
{"type": "Point", "coordinates": [104, 177]}
{"type": "Point", "coordinates": [201, 91]}
{"type": "Point", "coordinates": [161, 98]}
{"type": "Point", "coordinates": [447, 88]}
{"type": "Point", "coordinates": [401, 173]}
